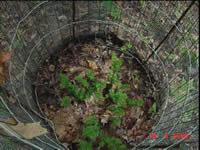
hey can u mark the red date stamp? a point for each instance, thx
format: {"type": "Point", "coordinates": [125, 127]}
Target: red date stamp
{"type": "Point", "coordinates": [175, 135]}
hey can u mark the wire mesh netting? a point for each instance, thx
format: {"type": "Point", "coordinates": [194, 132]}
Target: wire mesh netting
{"type": "Point", "coordinates": [164, 36]}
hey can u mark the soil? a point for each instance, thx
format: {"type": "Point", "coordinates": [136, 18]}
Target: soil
{"type": "Point", "coordinates": [77, 58]}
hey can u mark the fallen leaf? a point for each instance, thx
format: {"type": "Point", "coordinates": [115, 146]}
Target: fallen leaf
{"type": "Point", "coordinates": [88, 48]}
{"type": "Point", "coordinates": [10, 121]}
{"type": "Point", "coordinates": [105, 119]}
{"type": "Point", "coordinates": [4, 57]}
{"type": "Point", "coordinates": [92, 64]}
{"type": "Point", "coordinates": [106, 66]}
{"type": "Point", "coordinates": [66, 124]}
{"type": "Point", "coordinates": [28, 130]}
{"type": "Point", "coordinates": [60, 131]}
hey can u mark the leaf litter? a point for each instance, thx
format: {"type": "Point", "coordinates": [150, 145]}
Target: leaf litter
{"type": "Point", "coordinates": [77, 59]}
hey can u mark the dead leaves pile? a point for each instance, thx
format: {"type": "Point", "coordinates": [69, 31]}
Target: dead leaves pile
{"type": "Point", "coordinates": [79, 59]}
{"type": "Point", "coordinates": [67, 124]}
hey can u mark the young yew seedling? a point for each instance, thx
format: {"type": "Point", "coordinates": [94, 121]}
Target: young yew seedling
{"type": "Point", "coordinates": [91, 131]}
{"type": "Point", "coordinates": [91, 128]}
{"type": "Point", "coordinates": [84, 87]}
{"type": "Point", "coordinates": [153, 108]}
{"type": "Point", "coordinates": [112, 143]}
{"type": "Point", "coordinates": [135, 102]}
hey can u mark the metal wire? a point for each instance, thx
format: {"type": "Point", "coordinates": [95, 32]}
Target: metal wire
{"type": "Point", "coordinates": [26, 59]}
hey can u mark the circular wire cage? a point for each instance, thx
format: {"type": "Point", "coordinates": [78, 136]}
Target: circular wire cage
{"type": "Point", "coordinates": [164, 35]}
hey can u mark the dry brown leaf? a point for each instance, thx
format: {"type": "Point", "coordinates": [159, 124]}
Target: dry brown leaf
{"type": "Point", "coordinates": [106, 66]}
{"type": "Point", "coordinates": [10, 121]}
{"type": "Point", "coordinates": [28, 130]}
{"type": "Point", "coordinates": [88, 48]}
{"type": "Point", "coordinates": [92, 64]}
{"type": "Point", "coordinates": [60, 131]}
{"type": "Point", "coordinates": [66, 124]}
{"type": "Point", "coordinates": [4, 57]}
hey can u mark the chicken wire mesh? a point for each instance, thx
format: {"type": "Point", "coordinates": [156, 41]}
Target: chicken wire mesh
{"type": "Point", "coordinates": [163, 34]}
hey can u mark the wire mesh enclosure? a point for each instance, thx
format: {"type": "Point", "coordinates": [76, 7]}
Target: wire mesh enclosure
{"type": "Point", "coordinates": [165, 43]}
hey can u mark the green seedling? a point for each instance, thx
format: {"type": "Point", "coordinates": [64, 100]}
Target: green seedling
{"type": "Point", "coordinates": [112, 143]}
{"type": "Point", "coordinates": [85, 145]}
{"type": "Point", "coordinates": [136, 78]}
{"type": "Point", "coordinates": [65, 101]}
{"type": "Point", "coordinates": [125, 47]}
{"type": "Point", "coordinates": [115, 12]}
{"type": "Point", "coordinates": [86, 86]}
{"type": "Point", "coordinates": [153, 108]}
{"type": "Point", "coordinates": [135, 102]}
{"type": "Point", "coordinates": [91, 131]}
{"type": "Point", "coordinates": [91, 128]}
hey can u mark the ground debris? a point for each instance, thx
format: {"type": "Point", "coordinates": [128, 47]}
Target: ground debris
{"type": "Point", "coordinates": [67, 124]}
{"type": "Point", "coordinates": [76, 60]}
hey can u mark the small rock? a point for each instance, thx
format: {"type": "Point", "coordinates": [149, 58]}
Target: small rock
{"type": "Point", "coordinates": [66, 145]}
{"type": "Point", "coordinates": [52, 68]}
{"type": "Point", "coordinates": [63, 17]}
{"type": "Point", "coordinates": [92, 64]}
{"type": "Point", "coordinates": [109, 52]}
{"type": "Point", "coordinates": [104, 119]}
{"type": "Point", "coordinates": [103, 47]}
{"type": "Point", "coordinates": [12, 100]}
{"type": "Point", "coordinates": [33, 36]}
{"type": "Point", "coordinates": [125, 137]}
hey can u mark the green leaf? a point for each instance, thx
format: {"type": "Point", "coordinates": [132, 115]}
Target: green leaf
{"type": "Point", "coordinates": [81, 93]}
{"type": "Point", "coordinates": [65, 101]}
{"type": "Point", "coordinates": [91, 131]}
{"type": "Point", "coordinates": [85, 145]}
{"type": "Point", "coordinates": [118, 111]}
{"type": "Point", "coordinates": [123, 48]}
{"type": "Point", "coordinates": [109, 5]}
{"type": "Point", "coordinates": [115, 12]}
{"type": "Point", "coordinates": [92, 120]}
{"type": "Point", "coordinates": [115, 121]}
{"type": "Point", "coordinates": [63, 80]}
{"type": "Point", "coordinates": [153, 108]}
{"type": "Point", "coordinates": [136, 78]}
{"type": "Point", "coordinates": [135, 102]}
{"type": "Point", "coordinates": [89, 93]}
{"type": "Point", "coordinates": [182, 50]}
{"type": "Point", "coordinates": [83, 82]}
{"type": "Point", "coordinates": [102, 143]}
{"type": "Point", "coordinates": [113, 143]}
{"type": "Point", "coordinates": [90, 75]}
{"type": "Point", "coordinates": [100, 84]}
{"type": "Point", "coordinates": [116, 63]}
{"type": "Point", "coordinates": [125, 86]}
{"type": "Point", "coordinates": [142, 3]}
{"type": "Point", "coordinates": [99, 94]}
{"type": "Point", "coordinates": [129, 45]}
{"type": "Point", "coordinates": [110, 75]}
{"type": "Point", "coordinates": [117, 97]}
{"type": "Point", "coordinates": [176, 13]}
{"type": "Point", "coordinates": [122, 147]}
